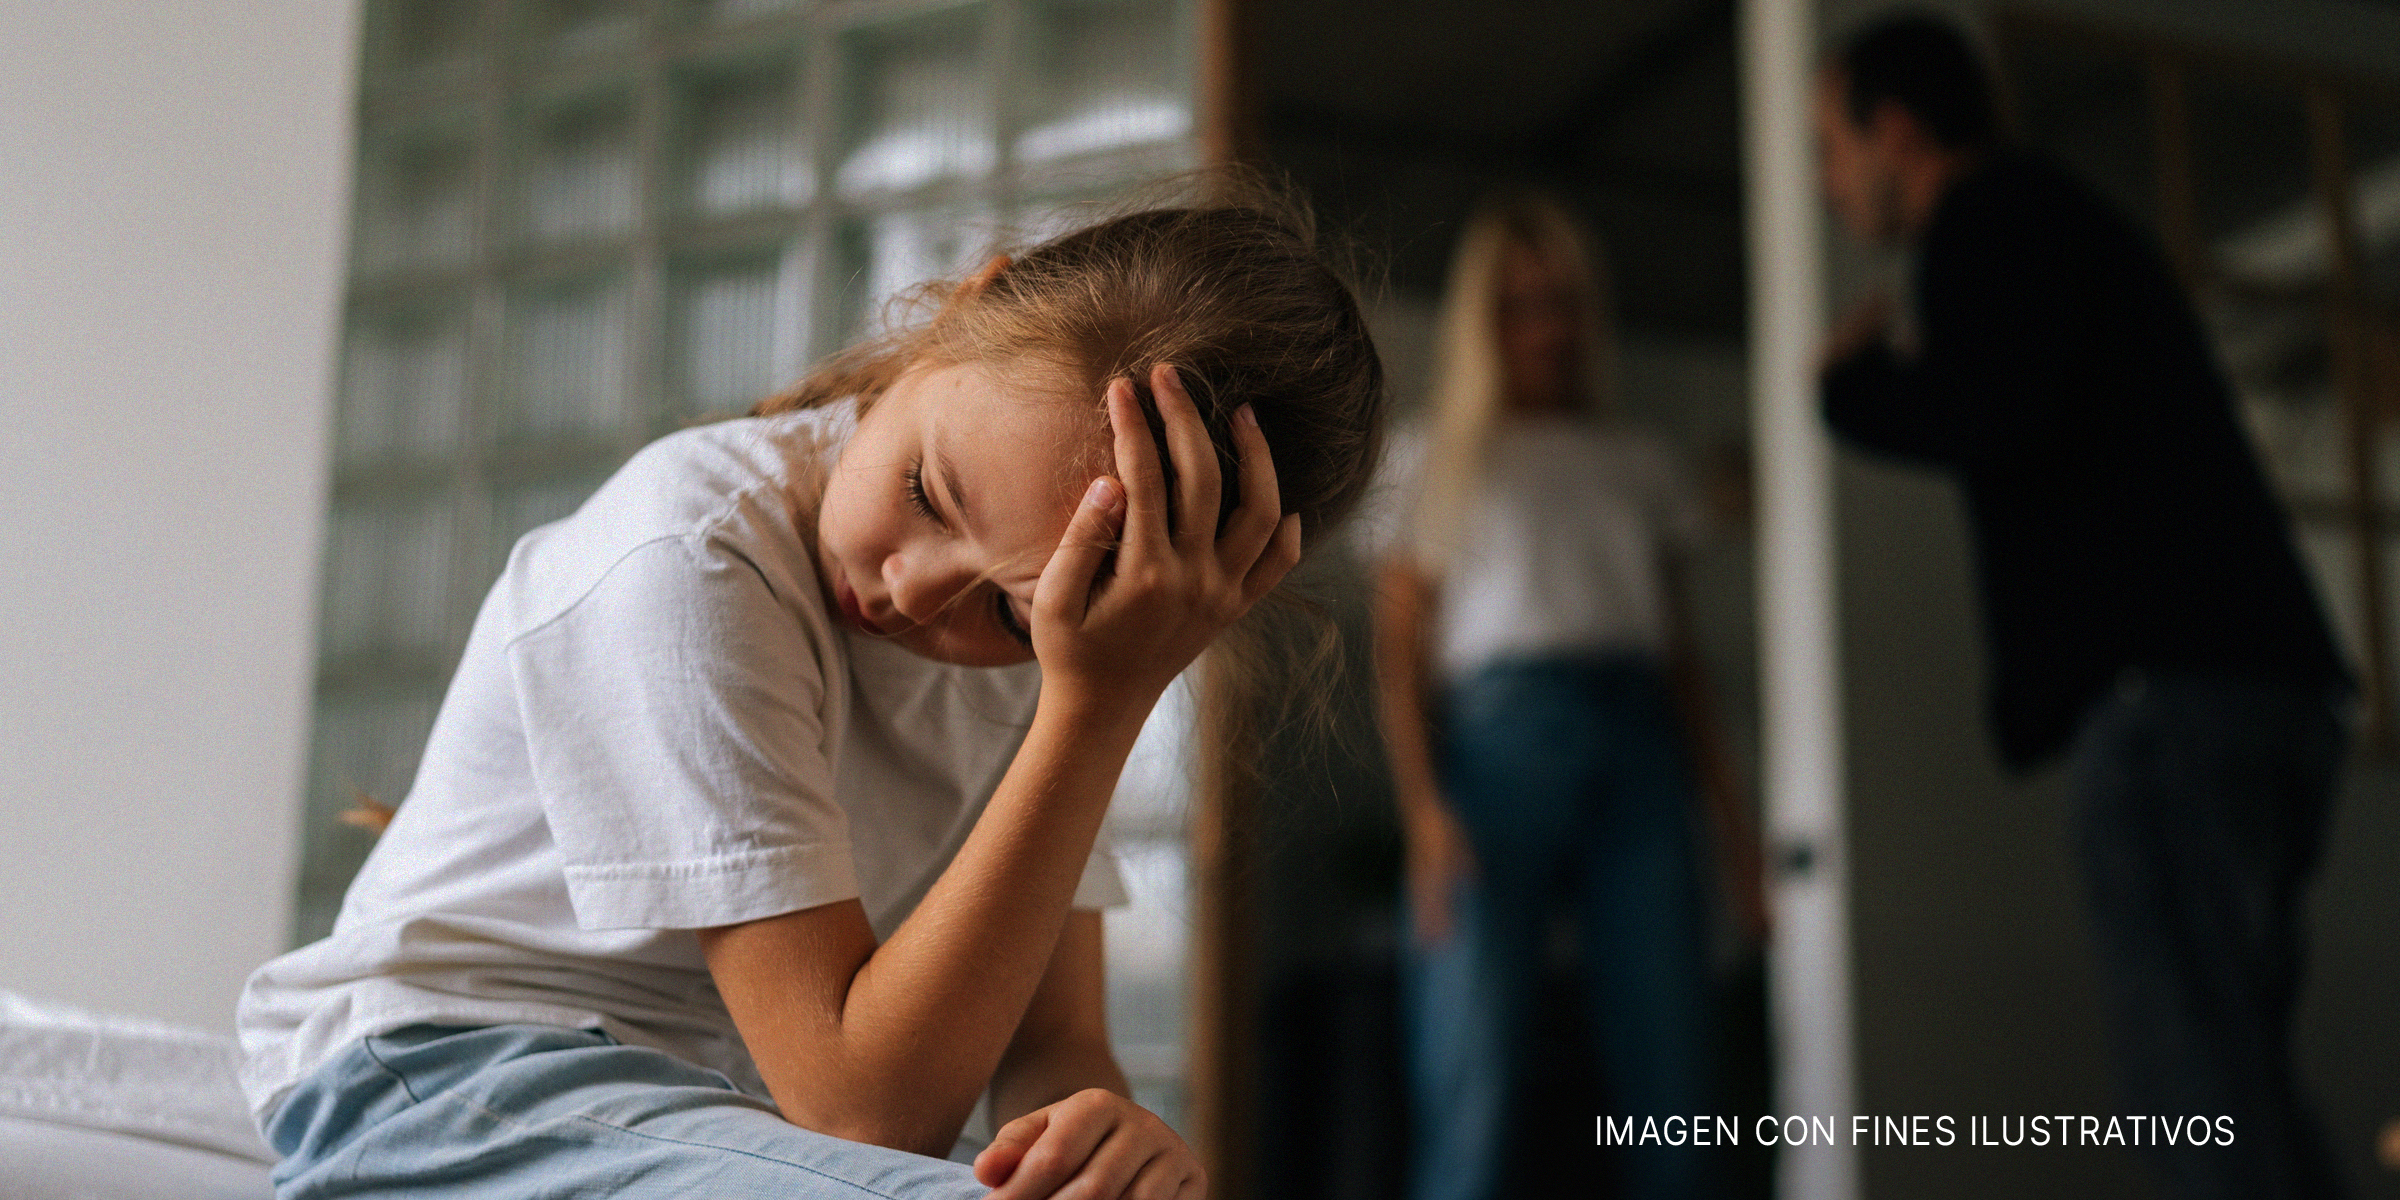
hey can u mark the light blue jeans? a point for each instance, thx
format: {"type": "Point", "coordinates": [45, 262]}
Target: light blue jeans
{"type": "Point", "coordinates": [1569, 778]}
{"type": "Point", "coordinates": [508, 1112]}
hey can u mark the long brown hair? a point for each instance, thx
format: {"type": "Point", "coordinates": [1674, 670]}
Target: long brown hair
{"type": "Point", "coordinates": [1237, 291]}
{"type": "Point", "coordinates": [1234, 291]}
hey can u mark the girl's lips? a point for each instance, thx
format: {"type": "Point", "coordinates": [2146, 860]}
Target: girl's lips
{"type": "Point", "coordinates": [848, 600]}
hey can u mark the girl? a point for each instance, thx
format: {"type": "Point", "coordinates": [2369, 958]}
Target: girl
{"type": "Point", "coordinates": [1529, 579]}
{"type": "Point", "coordinates": [749, 848]}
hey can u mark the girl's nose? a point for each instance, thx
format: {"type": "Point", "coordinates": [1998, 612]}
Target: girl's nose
{"type": "Point", "coordinates": [922, 582]}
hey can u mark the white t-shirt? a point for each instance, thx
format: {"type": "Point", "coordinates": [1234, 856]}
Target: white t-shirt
{"type": "Point", "coordinates": [655, 728]}
{"type": "Point", "coordinates": [1560, 551]}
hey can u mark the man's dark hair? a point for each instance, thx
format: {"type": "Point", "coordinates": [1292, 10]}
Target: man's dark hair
{"type": "Point", "coordinates": [1923, 64]}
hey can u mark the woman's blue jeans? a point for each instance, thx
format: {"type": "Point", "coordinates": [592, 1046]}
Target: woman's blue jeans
{"type": "Point", "coordinates": [1569, 777]}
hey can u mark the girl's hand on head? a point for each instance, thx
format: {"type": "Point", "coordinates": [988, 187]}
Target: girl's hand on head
{"type": "Point", "coordinates": [1125, 636]}
{"type": "Point", "coordinates": [1093, 1145]}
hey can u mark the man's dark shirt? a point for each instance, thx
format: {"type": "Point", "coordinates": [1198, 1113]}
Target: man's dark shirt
{"type": "Point", "coordinates": [2120, 517]}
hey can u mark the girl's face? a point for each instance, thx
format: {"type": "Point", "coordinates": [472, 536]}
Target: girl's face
{"type": "Point", "coordinates": [946, 504]}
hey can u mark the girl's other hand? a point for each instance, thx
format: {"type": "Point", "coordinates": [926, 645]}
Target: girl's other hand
{"type": "Point", "coordinates": [1097, 1143]}
{"type": "Point", "coordinates": [1124, 637]}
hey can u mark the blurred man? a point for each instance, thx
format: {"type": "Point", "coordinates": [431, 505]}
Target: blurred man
{"type": "Point", "coordinates": [2145, 612]}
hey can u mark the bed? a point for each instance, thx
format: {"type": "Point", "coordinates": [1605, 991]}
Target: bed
{"type": "Point", "coordinates": [102, 1107]}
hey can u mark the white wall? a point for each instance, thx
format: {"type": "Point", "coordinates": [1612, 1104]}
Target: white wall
{"type": "Point", "coordinates": [171, 222]}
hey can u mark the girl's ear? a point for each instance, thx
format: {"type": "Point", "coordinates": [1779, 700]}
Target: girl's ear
{"type": "Point", "coordinates": [983, 277]}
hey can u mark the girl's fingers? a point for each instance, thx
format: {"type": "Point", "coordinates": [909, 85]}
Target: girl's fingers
{"type": "Point", "coordinates": [1137, 465]}
{"type": "Point", "coordinates": [999, 1160]}
{"type": "Point", "coordinates": [1253, 523]}
{"type": "Point", "coordinates": [1277, 560]}
{"type": "Point", "coordinates": [1110, 1170]}
{"type": "Point", "coordinates": [1062, 1150]}
{"type": "Point", "coordinates": [1064, 592]}
{"type": "Point", "coordinates": [1159, 1179]}
{"type": "Point", "coordinates": [1197, 486]}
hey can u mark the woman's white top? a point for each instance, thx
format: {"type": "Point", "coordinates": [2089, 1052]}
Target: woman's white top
{"type": "Point", "coordinates": [1560, 551]}
{"type": "Point", "coordinates": [655, 728]}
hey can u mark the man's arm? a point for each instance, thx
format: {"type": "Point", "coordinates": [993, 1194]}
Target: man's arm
{"type": "Point", "coordinates": [2005, 338]}
{"type": "Point", "coordinates": [1880, 403]}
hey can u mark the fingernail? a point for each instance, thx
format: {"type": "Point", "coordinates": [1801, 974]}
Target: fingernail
{"type": "Point", "coordinates": [1103, 492]}
{"type": "Point", "coordinates": [1248, 417]}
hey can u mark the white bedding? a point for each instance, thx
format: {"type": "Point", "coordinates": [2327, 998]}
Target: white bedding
{"type": "Point", "coordinates": [102, 1107]}
{"type": "Point", "coordinates": [42, 1161]}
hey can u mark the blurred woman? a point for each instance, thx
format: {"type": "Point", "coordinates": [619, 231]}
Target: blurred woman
{"type": "Point", "coordinates": [1529, 650]}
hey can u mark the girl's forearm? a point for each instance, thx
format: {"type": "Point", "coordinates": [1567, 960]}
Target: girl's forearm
{"type": "Point", "coordinates": [1062, 1046]}
{"type": "Point", "coordinates": [1044, 1075]}
{"type": "Point", "coordinates": [928, 1016]}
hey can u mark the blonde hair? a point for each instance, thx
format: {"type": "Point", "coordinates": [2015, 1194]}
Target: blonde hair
{"type": "Point", "coordinates": [1470, 379]}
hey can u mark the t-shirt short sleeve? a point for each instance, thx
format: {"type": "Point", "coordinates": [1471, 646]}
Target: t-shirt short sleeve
{"type": "Point", "coordinates": [676, 719]}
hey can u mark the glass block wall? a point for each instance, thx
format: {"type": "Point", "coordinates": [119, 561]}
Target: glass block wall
{"type": "Point", "coordinates": [579, 224]}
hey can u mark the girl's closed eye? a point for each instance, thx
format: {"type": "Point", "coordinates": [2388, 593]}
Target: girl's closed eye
{"type": "Point", "coordinates": [916, 493]}
{"type": "Point", "coordinates": [1005, 615]}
